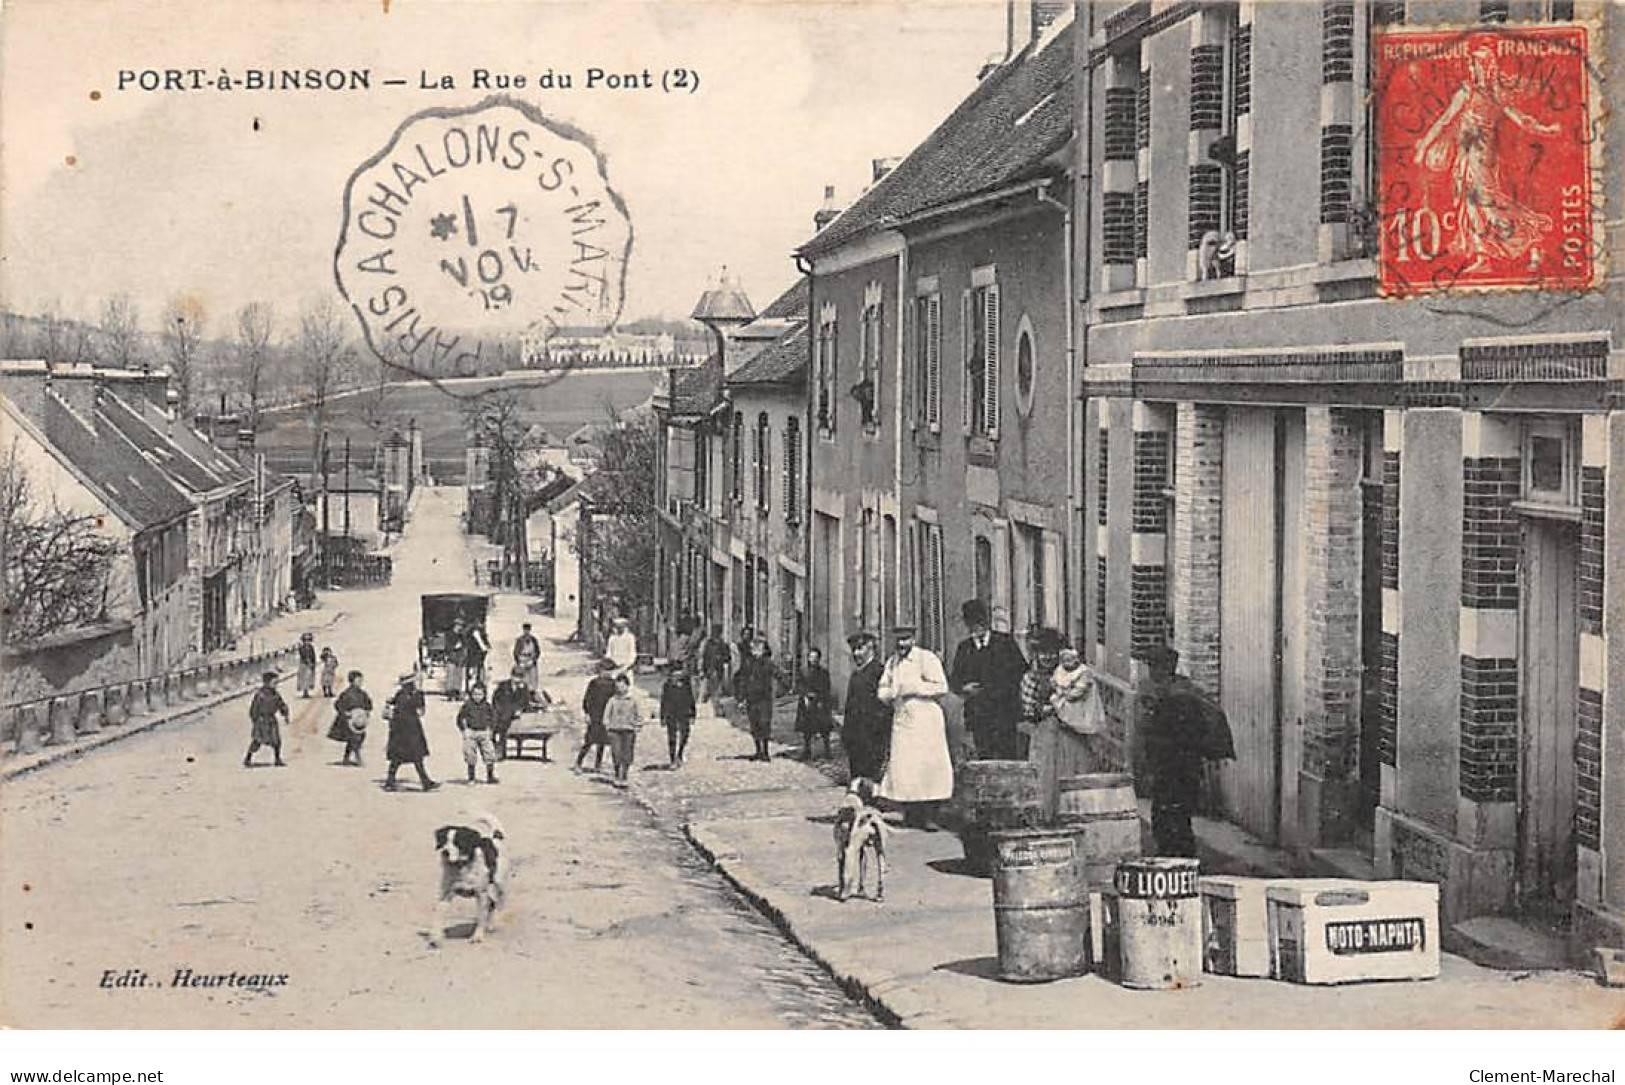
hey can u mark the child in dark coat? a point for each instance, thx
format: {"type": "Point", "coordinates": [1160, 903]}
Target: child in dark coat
{"type": "Point", "coordinates": [813, 717]}
{"type": "Point", "coordinates": [677, 711]}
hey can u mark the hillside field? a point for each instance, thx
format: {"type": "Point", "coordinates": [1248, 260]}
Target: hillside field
{"type": "Point", "coordinates": [561, 405]}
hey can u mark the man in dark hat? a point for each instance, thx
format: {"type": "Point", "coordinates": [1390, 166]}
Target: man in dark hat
{"type": "Point", "coordinates": [1184, 730]}
{"type": "Point", "coordinates": [407, 744]}
{"type": "Point", "coordinates": [866, 723]}
{"type": "Point", "coordinates": [266, 706]}
{"type": "Point", "coordinates": [987, 672]}
{"type": "Point", "coordinates": [593, 703]}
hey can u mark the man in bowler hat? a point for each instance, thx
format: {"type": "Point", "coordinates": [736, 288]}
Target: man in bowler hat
{"type": "Point", "coordinates": [987, 672]}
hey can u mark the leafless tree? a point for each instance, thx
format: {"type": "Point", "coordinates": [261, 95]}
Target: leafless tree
{"type": "Point", "coordinates": [120, 327]}
{"type": "Point", "coordinates": [325, 359]}
{"type": "Point", "coordinates": [182, 336]}
{"type": "Point", "coordinates": [254, 323]}
{"type": "Point", "coordinates": [51, 332]}
{"type": "Point", "coordinates": [57, 564]}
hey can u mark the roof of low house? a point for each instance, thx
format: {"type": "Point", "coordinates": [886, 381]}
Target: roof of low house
{"type": "Point", "coordinates": [792, 304]}
{"type": "Point", "coordinates": [783, 362]}
{"type": "Point", "coordinates": [552, 488]}
{"type": "Point", "coordinates": [189, 459]}
{"type": "Point", "coordinates": [134, 488]}
{"type": "Point", "coordinates": [697, 390]}
{"type": "Point", "coordinates": [1001, 134]}
{"type": "Point", "coordinates": [724, 302]}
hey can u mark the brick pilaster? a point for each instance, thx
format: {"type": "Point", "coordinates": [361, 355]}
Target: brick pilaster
{"type": "Point", "coordinates": [1491, 543]}
{"type": "Point", "coordinates": [1198, 538]}
{"type": "Point", "coordinates": [1388, 652]}
{"type": "Point", "coordinates": [1593, 515]}
{"type": "Point", "coordinates": [1588, 770]}
{"type": "Point", "coordinates": [1119, 172]}
{"type": "Point", "coordinates": [1241, 92]}
{"type": "Point", "coordinates": [1204, 179]}
{"type": "Point", "coordinates": [1336, 127]}
{"type": "Point", "coordinates": [1333, 463]}
{"type": "Point", "coordinates": [1148, 574]}
{"type": "Point", "coordinates": [1142, 172]}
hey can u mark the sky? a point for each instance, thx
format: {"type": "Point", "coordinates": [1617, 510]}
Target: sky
{"type": "Point", "coordinates": [233, 196]}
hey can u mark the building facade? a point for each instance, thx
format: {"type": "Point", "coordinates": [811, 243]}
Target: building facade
{"type": "Point", "coordinates": [938, 403]}
{"type": "Point", "coordinates": [1374, 521]}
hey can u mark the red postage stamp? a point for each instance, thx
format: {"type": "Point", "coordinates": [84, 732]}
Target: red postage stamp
{"type": "Point", "coordinates": [1486, 162]}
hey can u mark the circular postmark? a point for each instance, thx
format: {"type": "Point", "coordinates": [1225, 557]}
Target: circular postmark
{"type": "Point", "coordinates": [477, 233]}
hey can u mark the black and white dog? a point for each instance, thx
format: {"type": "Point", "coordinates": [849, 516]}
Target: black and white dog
{"type": "Point", "coordinates": [860, 832]}
{"type": "Point", "coordinates": [472, 864]}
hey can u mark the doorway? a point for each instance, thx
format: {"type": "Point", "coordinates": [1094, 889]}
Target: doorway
{"type": "Point", "coordinates": [1548, 684]}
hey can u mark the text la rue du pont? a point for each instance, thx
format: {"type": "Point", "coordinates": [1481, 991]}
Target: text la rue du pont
{"type": "Point", "coordinates": [668, 80]}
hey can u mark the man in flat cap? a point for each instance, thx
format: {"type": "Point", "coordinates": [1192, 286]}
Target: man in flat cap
{"type": "Point", "coordinates": [866, 723]}
{"type": "Point", "coordinates": [1185, 729]}
{"type": "Point", "coordinates": [919, 774]}
{"type": "Point", "coordinates": [987, 673]}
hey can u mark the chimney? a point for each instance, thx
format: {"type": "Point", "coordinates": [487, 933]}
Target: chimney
{"type": "Point", "coordinates": [1044, 14]}
{"type": "Point", "coordinates": [883, 166]}
{"type": "Point", "coordinates": [829, 212]}
{"type": "Point", "coordinates": [76, 385]}
{"type": "Point", "coordinates": [24, 384]}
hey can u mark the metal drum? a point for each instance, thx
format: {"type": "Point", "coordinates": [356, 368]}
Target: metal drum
{"type": "Point", "coordinates": [1154, 924]}
{"type": "Point", "coordinates": [1040, 905]}
{"type": "Point", "coordinates": [991, 796]}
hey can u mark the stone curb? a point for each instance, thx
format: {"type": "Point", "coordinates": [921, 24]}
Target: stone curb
{"type": "Point", "coordinates": [737, 873]}
{"type": "Point", "coordinates": [55, 755]}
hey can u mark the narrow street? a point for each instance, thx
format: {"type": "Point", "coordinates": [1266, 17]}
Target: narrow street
{"type": "Point", "coordinates": [161, 853]}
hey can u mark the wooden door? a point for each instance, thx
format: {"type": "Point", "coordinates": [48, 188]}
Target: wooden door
{"type": "Point", "coordinates": [1249, 619]}
{"type": "Point", "coordinates": [1549, 666]}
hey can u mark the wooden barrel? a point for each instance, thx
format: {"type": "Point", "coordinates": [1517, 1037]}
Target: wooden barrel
{"type": "Point", "coordinates": [990, 796]}
{"type": "Point", "coordinates": [1154, 924]}
{"type": "Point", "coordinates": [1102, 807]}
{"type": "Point", "coordinates": [1040, 905]}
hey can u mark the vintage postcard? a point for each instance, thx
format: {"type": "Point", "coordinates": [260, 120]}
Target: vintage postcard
{"type": "Point", "coordinates": [824, 514]}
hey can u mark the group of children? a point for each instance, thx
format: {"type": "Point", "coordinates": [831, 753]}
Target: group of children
{"type": "Point", "coordinates": [615, 715]}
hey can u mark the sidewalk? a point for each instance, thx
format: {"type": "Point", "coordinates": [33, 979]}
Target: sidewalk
{"type": "Point", "coordinates": [927, 956]}
{"type": "Point", "coordinates": [279, 633]}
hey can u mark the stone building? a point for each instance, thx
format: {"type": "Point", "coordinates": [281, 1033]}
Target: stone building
{"type": "Point", "coordinates": [937, 396]}
{"type": "Point", "coordinates": [1373, 515]}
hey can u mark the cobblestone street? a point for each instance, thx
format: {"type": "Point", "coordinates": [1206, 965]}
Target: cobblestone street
{"type": "Point", "coordinates": [160, 853]}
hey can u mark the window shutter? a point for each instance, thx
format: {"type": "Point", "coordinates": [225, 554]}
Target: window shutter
{"type": "Point", "coordinates": [965, 339]}
{"type": "Point", "coordinates": [990, 398]}
{"type": "Point", "coordinates": [937, 620]}
{"type": "Point", "coordinates": [1001, 576]}
{"type": "Point", "coordinates": [933, 362]}
{"type": "Point", "coordinates": [874, 374]}
{"type": "Point", "coordinates": [1054, 575]}
{"type": "Point", "coordinates": [834, 373]}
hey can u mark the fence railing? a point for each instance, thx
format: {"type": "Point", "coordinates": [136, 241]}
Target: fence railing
{"type": "Point", "coordinates": [62, 718]}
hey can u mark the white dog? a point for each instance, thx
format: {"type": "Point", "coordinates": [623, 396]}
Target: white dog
{"type": "Point", "coordinates": [473, 863]}
{"type": "Point", "coordinates": [860, 831]}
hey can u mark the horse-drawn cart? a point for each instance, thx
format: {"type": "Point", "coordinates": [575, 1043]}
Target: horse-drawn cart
{"type": "Point", "coordinates": [440, 613]}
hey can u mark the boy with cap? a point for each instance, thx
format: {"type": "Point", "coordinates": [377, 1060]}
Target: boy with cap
{"type": "Point", "coordinates": [266, 706]}
{"type": "Point", "coordinates": [677, 710]}
{"type": "Point", "coordinates": [866, 723]}
{"type": "Point", "coordinates": [475, 722]}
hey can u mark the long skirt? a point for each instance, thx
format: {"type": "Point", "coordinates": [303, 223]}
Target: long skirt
{"type": "Point", "coordinates": [919, 769]}
{"type": "Point", "coordinates": [454, 678]}
{"type": "Point", "coordinates": [307, 677]}
{"type": "Point", "coordinates": [529, 675]}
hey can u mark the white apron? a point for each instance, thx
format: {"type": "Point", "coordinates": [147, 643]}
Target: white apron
{"type": "Point", "coordinates": [920, 769]}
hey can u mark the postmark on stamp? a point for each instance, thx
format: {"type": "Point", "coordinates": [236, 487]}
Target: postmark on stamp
{"type": "Point", "coordinates": [1488, 146]}
{"type": "Point", "coordinates": [475, 234]}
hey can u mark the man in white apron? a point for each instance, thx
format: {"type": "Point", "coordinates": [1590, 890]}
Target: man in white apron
{"type": "Point", "coordinates": [920, 773]}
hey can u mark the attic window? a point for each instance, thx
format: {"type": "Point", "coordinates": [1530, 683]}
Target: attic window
{"type": "Point", "coordinates": [1042, 102]}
